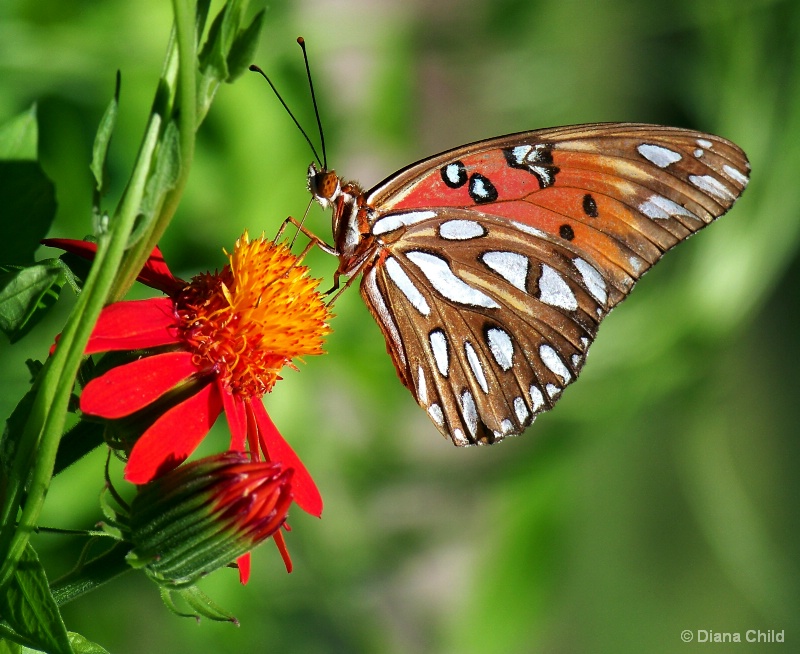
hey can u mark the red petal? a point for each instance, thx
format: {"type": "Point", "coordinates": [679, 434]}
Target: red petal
{"type": "Point", "coordinates": [155, 273]}
{"type": "Point", "coordinates": [174, 436]}
{"type": "Point", "coordinates": [132, 386]}
{"type": "Point", "coordinates": [236, 413]}
{"type": "Point", "coordinates": [83, 249]}
{"type": "Point", "coordinates": [133, 325]}
{"type": "Point", "coordinates": [305, 491]}
{"type": "Point", "coordinates": [244, 568]}
{"type": "Point", "coordinates": [281, 543]}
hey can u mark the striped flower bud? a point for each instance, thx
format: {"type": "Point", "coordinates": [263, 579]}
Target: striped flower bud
{"type": "Point", "coordinates": [205, 514]}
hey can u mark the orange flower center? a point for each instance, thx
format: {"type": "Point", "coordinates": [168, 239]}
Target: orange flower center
{"type": "Point", "coordinates": [252, 318]}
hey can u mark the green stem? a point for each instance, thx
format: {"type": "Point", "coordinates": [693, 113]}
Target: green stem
{"type": "Point", "coordinates": [180, 77]}
{"type": "Point", "coordinates": [39, 442]}
{"type": "Point", "coordinates": [93, 574]}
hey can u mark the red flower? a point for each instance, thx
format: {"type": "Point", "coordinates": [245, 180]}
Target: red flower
{"type": "Point", "coordinates": [216, 344]}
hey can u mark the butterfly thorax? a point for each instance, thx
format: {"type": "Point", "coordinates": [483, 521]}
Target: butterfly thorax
{"type": "Point", "coordinates": [351, 232]}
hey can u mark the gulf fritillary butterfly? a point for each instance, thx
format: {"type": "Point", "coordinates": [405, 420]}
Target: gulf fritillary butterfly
{"type": "Point", "coordinates": [489, 267]}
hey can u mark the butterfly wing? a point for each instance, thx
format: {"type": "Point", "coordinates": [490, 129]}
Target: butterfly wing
{"type": "Point", "coordinates": [497, 260]}
{"type": "Point", "coordinates": [487, 331]}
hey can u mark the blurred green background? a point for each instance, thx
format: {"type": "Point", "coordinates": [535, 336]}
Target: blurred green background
{"type": "Point", "coordinates": [660, 495]}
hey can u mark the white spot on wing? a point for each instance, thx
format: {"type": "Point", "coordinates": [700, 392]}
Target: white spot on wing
{"type": "Point", "coordinates": [406, 286]}
{"type": "Point", "coordinates": [537, 399]}
{"type": "Point", "coordinates": [553, 290]}
{"type": "Point", "coordinates": [475, 365]}
{"type": "Point", "coordinates": [452, 171]}
{"type": "Point", "coordinates": [551, 359]}
{"type": "Point", "coordinates": [520, 152]}
{"type": "Point", "coordinates": [397, 220]}
{"type": "Point", "coordinates": [435, 412]}
{"type": "Point", "coordinates": [438, 272]}
{"type": "Point", "coordinates": [636, 263]}
{"type": "Point", "coordinates": [507, 426]}
{"type": "Point", "coordinates": [459, 438]}
{"type": "Point", "coordinates": [735, 175]}
{"type": "Point", "coordinates": [704, 143]}
{"type": "Point", "coordinates": [530, 230]}
{"type": "Point", "coordinates": [510, 266]}
{"type": "Point", "coordinates": [478, 188]}
{"type": "Point", "coordinates": [658, 155]}
{"type": "Point", "coordinates": [658, 207]}
{"type": "Point", "coordinates": [370, 287]}
{"type": "Point", "coordinates": [438, 343]}
{"type": "Point", "coordinates": [712, 186]}
{"type": "Point", "coordinates": [521, 409]}
{"type": "Point", "coordinates": [422, 387]}
{"type": "Point", "coordinates": [501, 347]}
{"type": "Point", "coordinates": [470, 412]}
{"type": "Point", "coordinates": [552, 390]}
{"type": "Point", "coordinates": [461, 230]}
{"type": "Point", "coordinates": [593, 279]}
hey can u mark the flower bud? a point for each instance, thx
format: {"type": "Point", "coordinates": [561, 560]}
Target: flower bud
{"type": "Point", "coordinates": [204, 515]}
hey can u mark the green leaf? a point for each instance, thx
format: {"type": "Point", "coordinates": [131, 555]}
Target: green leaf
{"type": "Point", "coordinates": [26, 294]}
{"type": "Point", "coordinates": [28, 607]}
{"type": "Point", "coordinates": [244, 47]}
{"type": "Point", "coordinates": [227, 51]}
{"type": "Point", "coordinates": [103, 139]}
{"type": "Point", "coordinates": [162, 180]}
{"type": "Point", "coordinates": [28, 199]}
{"type": "Point", "coordinates": [201, 13]}
{"type": "Point", "coordinates": [19, 137]}
{"type": "Point", "coordinates": [9, 441]}
{"type": "Point", "coordinates": [212, 59]}
{"type": "Point", "coordinates": [82, 646]}
{"type": "Point", "coordinates": [77, 443]}
{"type": "Point", "coordinates": [9, 647]}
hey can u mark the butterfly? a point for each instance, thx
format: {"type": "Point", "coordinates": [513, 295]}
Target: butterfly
{"type": "Point", "coordinates": [489, 267]}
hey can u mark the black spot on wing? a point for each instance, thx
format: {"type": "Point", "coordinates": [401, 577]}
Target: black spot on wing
{"type": "Point", "coordinates": [589, 206]}
{"type": "Point", "coordinates": [481, 189]}
{"type": "Point", "coordinates": [536, 159]}
{"type": "Point", "coordinates": [454, 174]}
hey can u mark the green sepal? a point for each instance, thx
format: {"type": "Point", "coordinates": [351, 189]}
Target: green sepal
{"type": "Point", "coordinates": [201, 604]}
{"type": "Point", "coordinates": [244, 47]}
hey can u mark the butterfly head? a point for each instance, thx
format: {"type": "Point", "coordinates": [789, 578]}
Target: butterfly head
{"type": "Point", "coordinates": [324, 185]}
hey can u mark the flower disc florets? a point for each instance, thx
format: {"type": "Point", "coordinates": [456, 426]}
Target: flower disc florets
{"type": "Point", "coordinates": [252, 318]}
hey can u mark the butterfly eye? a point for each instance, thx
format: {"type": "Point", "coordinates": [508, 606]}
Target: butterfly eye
{"type": "Point", "coordinates": [323, 184]}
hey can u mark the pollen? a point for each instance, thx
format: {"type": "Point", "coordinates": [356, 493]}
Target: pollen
{"type": "Point", "coordinates": [254, 317]}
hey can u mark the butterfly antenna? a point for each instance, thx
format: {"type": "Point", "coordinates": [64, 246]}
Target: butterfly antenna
{"type": "Point", "coordinates": [302, 43]}
{"type": "Point", "coordinates": [256, 69]}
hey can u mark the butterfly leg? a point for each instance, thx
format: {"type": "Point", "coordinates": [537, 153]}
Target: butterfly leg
{"type": "Point", "coordinates": [313, 238]}
{"type": "Point", "coordinates": [352, 275]}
